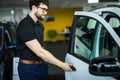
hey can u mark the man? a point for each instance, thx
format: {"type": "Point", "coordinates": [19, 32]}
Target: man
{"type": "Point", "coordinates": [33, 57]}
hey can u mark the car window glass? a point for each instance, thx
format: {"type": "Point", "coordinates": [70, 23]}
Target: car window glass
{"type": "Point", "coordinates": [13, 31]}
{"type": "Point", "coordinates": [83, 36]}
{"type": "Point", "coordinates": [7, 38]}
{"type": "Point", "coordinates": [107, 45]}
{"type": "Point", "coordinates": [114, 22]}
{"type": "Point", "coordinates": [1, 37]}
{"type": "Point", "coordinates": [88, 30]}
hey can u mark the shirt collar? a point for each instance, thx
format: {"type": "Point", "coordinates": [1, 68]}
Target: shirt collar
{"type": "Point", "coordinates": [30, 19]}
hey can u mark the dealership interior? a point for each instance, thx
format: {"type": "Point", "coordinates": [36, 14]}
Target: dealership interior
{"type": "Point", "coordinates": [57, 26]}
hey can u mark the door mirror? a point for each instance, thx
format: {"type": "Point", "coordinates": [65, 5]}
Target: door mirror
{"type": "Point", "coordinates": [105, 66]}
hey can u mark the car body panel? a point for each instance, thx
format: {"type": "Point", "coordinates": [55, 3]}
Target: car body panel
{"type": "Point", "coordinates": [81, 72]}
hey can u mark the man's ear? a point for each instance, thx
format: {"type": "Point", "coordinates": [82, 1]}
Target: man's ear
{"type": "Point", "coordinates": [34, 8]}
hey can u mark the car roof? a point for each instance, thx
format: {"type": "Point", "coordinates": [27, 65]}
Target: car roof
{"type": "Point", "coordinates": [106, 6]}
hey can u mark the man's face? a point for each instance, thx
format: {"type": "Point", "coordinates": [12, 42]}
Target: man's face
{"type": "Point", "coordinates": [41, 11]}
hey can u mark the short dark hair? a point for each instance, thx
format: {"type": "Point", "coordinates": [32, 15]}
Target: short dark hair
{"type": "Point", "coordinates": [37, 3]}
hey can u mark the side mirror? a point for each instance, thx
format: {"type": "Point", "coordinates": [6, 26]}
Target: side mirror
{"type": "Point", "coordinates": [105, 66]}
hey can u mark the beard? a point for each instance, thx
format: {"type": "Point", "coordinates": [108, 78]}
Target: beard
{"type": "Point", "coordinates": [39, 17]}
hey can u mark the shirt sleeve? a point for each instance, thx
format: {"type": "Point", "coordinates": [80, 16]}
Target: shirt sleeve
{"type": "Point", "coordinates": [26, 32]}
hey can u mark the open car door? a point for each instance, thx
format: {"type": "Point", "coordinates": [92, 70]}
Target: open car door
{"type": "Point", "coordinates": [91, 37]}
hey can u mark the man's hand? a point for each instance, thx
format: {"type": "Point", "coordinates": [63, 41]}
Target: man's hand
{"type": "Point", "coordinates": [66, 66]}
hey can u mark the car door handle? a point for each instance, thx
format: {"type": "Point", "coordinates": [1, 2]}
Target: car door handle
{"type": "Point", "coordinates": [73, 68]}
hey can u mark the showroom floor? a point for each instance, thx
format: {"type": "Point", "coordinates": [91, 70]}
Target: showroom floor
{"type": "Point", "coordinates": [58, 49]}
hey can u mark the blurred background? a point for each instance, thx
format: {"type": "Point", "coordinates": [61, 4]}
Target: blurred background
{"type": "Point", "coordinates": [60, 14]}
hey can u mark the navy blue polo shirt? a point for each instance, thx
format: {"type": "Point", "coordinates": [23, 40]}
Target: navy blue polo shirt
{"type": "Point", "coordinates": [28, 30]}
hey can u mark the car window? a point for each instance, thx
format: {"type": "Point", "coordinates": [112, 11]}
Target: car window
{"type": "Point", "coordinates": [7, 38]}
{"type": "Point", "coordinates": [13, 31]}
{"type": "Point", "coordinates": [108, 46]}
{"type": "Point", "coordinates": [1, 37]}
{"type": "Point", "coordinates": [114, 22]}
{"type": "Point", "coordinates": [84, 33]}
{"type": "Point", "coordinates": [88, 30]}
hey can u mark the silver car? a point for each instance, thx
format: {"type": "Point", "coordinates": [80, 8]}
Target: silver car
{"type": "Point", "coordinates": [94, 48]}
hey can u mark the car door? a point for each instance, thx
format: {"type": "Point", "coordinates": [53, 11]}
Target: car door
{"type": "Point", "coordinates": [85, 39]}
{"type": "Point", "coordinates": [1, 51]}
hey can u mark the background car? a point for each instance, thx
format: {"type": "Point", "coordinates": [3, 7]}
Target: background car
{"type": "Point", "coordinates": [94, 47]}
{"type": "Point", "coordinates": [7, 49]}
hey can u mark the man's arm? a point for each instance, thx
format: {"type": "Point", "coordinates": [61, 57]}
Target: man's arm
{"type": "Point", "coordinates": [35, 46]}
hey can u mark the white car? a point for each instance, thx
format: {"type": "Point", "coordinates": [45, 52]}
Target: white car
{"type": "Point", "coordinates": [94, 48]}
